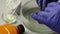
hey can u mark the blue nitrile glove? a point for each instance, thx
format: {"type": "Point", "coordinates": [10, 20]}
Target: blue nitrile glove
{"type": "Point", "coordinates": [50, 16]}
{"type": "Point", "coordinates": [43, 3]}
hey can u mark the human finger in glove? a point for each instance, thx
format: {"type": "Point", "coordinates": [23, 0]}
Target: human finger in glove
{"type": "Point", "coordinates": [50, 16]}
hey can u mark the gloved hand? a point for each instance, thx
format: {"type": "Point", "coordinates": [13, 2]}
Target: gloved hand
{"type": "Point", "coordinates": [43, 3]}
{"type": "Point", "coordinates": [50, 16]}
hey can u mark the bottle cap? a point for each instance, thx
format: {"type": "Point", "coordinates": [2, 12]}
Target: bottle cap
{"type": "Point", "coordinates": [21, 28]}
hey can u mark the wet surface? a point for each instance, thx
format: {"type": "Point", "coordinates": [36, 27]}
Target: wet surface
{"type": "Point", "coordinates": [34, 25]}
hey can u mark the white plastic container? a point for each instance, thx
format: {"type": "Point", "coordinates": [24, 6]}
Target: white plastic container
{"type": "Point", "coordinates": [30, 23]}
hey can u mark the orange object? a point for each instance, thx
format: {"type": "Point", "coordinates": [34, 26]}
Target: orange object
{"type": "Point", "coordinates": [10, 29]}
